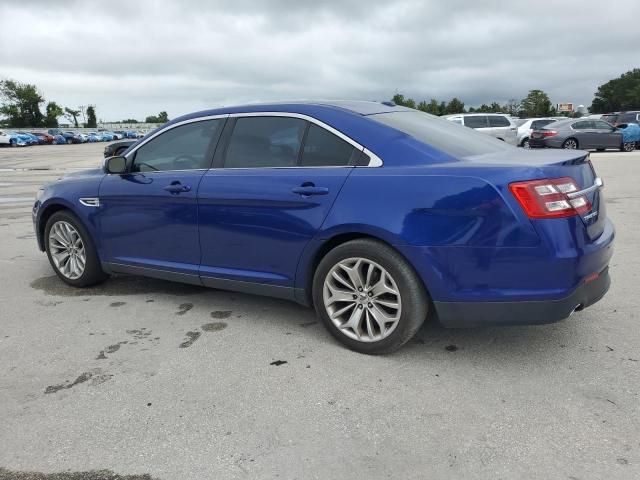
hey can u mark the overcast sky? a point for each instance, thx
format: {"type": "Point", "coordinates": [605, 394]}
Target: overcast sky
{"type": "Point", "coordinates": [135, 58]}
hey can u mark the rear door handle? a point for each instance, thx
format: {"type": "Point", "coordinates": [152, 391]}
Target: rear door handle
{"type": "Point", "coordinates": [310, 190]}
{"type": "Point", "coordinates": [176, 187]}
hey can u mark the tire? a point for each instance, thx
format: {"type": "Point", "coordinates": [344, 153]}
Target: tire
{"type": "Point", "coordinates": [92, 272]}
{"type": "Point", "coordinates": [525, 143]}
{"type": "Point", "coordinates": [13, 143]}
{"type": "Point", "coordinates": [400, 323]}
{"type": "Point", "coordinates": [570, 144]}
{"type": "Point", "coordinates": [69, 141]}
{"type": "Point", "coordinates": [628, 147]}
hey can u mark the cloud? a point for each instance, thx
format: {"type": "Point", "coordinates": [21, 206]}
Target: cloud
{"type": "Point", "coordinates": [132, 59]}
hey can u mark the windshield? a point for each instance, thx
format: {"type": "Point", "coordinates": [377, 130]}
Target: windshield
{"type": "Point", "coordinates": [442, 134]}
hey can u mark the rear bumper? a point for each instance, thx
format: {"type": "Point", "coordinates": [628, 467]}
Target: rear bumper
{"type": "Point", "coordinates": [475, 314]}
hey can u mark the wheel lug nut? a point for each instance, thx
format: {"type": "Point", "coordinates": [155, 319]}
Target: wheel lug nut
{"type": "Point", "coordinates": [370, 305]}
{"type": "Point", "coordinates": [359, 289]}
{"type": "Point", "coordinates": [360, 306]}
{"type": "Point", "coordinates": [355, 297]}
{"type": "Point", "coordinates": [370, 294]}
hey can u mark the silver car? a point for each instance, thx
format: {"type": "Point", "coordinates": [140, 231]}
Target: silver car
{"type": "Point", "coordinates": [577, 133]}
{"type": "Point", "coordinates": [498, 125]}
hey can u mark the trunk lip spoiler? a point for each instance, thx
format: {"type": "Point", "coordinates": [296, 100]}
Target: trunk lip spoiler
{"type": "Point", "coordinates": [597, 184]}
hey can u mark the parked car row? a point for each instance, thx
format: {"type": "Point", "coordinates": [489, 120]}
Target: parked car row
{"type": "Point", "coordinates": [577, 133]}
{"type": "Point", "coordinates": [618, 131]}
{"type": "Point", "coordinates": [56, 136]}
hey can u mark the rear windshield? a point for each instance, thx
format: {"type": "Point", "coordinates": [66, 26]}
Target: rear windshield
{"type": "Point", "coordinates": [442, 134]}
{"type": "Point", "coordinates": [540, 123]}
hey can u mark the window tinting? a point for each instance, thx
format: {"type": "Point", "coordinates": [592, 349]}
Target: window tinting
{"type": "Point", "coordinates": [600, 125]}
{"type": "Point", "coordinates": [322, 149]}
{"type": "Point", "coordinates": [584, 125]}
{"type": "Point", "coordinates": [442, 134]}
{"type": "Point", "coordinates": [536, 124]}
{"type": "Point", "coordinates": [476, 121]}
{"type": "Point", "coordinates": [180, 148]}
{"type": "Point", "coordinates": [628, 118]}
{"type": "Point", "coordinates": [499, 121]}
{"type": "Point", "coordinates": [265, 142]}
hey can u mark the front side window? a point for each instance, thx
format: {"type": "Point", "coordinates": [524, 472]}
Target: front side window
{"type": "Point", "coordinates": [600, 125]}
{"type": "Point", "coordinates": [181, 148]}
{"type": "Point", "coordinates": [324, 149]}
{"type": "Point", "coordinates": [499, 121]}
{"type": "Point", "coordinates": [476, 121]}
{"type": "Point", "coordinates": [265, 142]}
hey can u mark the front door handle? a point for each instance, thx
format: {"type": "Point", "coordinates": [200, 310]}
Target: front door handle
{"type": "Point", "coordinates": [306, 191]}
{"type": "Point", "coordinates": [176, 187]}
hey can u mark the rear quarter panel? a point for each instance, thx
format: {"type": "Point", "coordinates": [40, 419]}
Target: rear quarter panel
{"type": "Point", "coordinates": [449, 223]}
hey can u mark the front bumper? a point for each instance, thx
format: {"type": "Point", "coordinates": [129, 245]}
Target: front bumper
{"type": "Point", "coordinates": [475, 314]}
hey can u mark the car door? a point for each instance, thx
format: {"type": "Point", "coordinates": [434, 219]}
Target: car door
{"type": "Point", "coordinates": [477, 122]}
{"type": "Point", "coordinates": [582, 132]}
{"type": "Point", "coordinates": [148, 217]}
{"type": "Point", "coordinates": [606, 135]}
{"type": "Point", "coordinates": [502, 128]}
{"type": "Point", "coordinates": [275, 181]}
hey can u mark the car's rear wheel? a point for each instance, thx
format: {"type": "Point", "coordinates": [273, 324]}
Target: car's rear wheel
{"type": "Point", "coordinates": [628, 147]}
{"type": "Point", "coordinates": [71, 251]}
{"type": "Point", "coordinates": [570, 144]}
{"type": "Point", "coordinates": [13, 142]}
{"type": "Point", "coordinates": [525, 143]}
{"type": "Point", "coordinates": [369, 297]}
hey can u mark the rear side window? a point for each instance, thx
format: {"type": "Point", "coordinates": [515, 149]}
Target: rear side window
{"type": "Point", "coordinates": [265, 142]}
{"type": "Point", "coordinates": [181, 148]}
{"type": "Point", "coordinates": [476, 121]}
{"type": "Point", "coordinates": [323, 149]}
{"type": "Point", "coordinates": [536, 124]}
{"type": "Point", "coordinates": [628, 118]}
{"type": "Point", "coordinates": [442, 134]}
{"type": "Point", "coordinates": [581, 125]}
{"type": "Point", "coordinates": [499, 121]}
{"type": "Point", "coordinates": [610, 118]}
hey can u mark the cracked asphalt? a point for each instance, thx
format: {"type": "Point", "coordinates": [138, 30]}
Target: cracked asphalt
{"type": "Point", "coordinates": [144, 379]}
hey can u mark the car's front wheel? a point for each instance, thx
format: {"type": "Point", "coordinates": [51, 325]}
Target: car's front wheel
{"type": "Point", "coordinates": [369, 297]}
{"type": "Point", "coordinates": [628, 147]}
{"type": "Point", "coordinates": [71, 251]}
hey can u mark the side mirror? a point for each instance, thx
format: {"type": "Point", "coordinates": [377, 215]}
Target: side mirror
{"type": "Point", "coordinates": [115, 165]}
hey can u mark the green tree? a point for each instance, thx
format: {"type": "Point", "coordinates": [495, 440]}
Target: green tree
{"type": "Point", "coordinates": [72, 115]}
{"type": "Point", "coordinates": [455, 106]}
{"type": "Point", "coordinates": [91, 117]}
{"type": "Point", "coordinates": [537, 104]}
{"type": "Point", "coordinates": [433, 107]}
{"type": "Point", "coordinates": [622, 93]}
{"type": "Point", "coordinates": [399, 99]}
{"type": "Point", "coordinates": [21, 104]}
{"type": "Point", "coordinates": [53, 112]}
{"type": "Point", "coordinates": [162, 117]}
{"type": "Point", "coordinates": [512, 107]}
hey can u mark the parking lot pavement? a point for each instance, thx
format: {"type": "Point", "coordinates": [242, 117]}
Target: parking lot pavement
{"type": "Point", "coordinates": [146, 377]}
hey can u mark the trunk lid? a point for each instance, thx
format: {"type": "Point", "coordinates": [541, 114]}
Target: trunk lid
{"type": "Point", "coordinates": [556, 164]}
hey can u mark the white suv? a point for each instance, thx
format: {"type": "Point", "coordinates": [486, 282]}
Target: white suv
{"type": "Point", "coordinates": [497, 125]}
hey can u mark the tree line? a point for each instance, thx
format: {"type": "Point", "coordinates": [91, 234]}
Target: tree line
{"type": "Point", "coordinates": [21, 107]}
{"type": "Point", "coordinates": [535, 104]}
{"type": "Point", "coordinates": [21, 104]}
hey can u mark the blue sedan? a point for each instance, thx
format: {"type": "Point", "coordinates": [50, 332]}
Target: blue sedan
{"type": "Point", "coordinates": [378, 216]}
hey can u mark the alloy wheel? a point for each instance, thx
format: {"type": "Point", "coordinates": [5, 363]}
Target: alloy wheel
{"type": "Point", "coordinates": [362, 299]}
{"type": "Point", "coordinates": [67, 250]}
{"type": "Point", "coordinates": [629, 146]}
{"type": "Point", "coordinates": [570, 144]}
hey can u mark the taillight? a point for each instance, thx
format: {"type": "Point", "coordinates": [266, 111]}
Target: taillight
{"type": "Point", "coordinates": [549, 133]}
{"type": "Point", "coordinates": [548, 198]}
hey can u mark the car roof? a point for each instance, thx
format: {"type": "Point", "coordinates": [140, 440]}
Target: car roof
{"type": "Point", "coordinates": [475, 114]}
{"type": "Point", "coordinates": [303, 107]}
